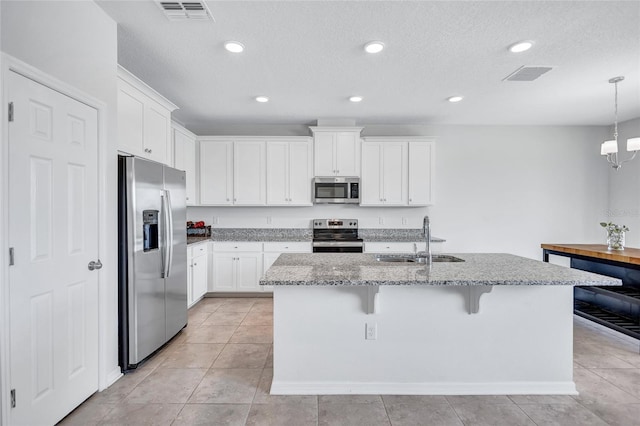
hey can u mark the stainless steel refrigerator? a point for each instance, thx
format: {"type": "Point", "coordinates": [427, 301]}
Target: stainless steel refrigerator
{"type": "Point", "coordinates": [152, 257]}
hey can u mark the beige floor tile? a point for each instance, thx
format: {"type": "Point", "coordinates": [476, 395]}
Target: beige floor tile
{"type": "Point", "coordinates": [478, 399]}
{"type": "Point", "coordinates": [210, 334]}
{"type": "Point", "coordinates": [197, 317]}
{"type": "Point", "coordinates": [118, 391]}
{"type": "Point", "coordinates": [561, 415]}
{"type": "Point", "coordinates": [616, 414]}
{"type": "Point", "coordinates": [88, 414]}
{"type": "Point", "coordinates": [283, 415]}
{"type": "Point", "coordinates": [213, 414]}
{"type": "Point", "coordinates": [418, 414]}
{"type": "Point", "coordinates": [350, 399]}
{"type": "Point", "coordinates": [193, 355]}
{"type": "Point", "coordinates": [333, 414]}
{"type": "Point", "coordinates": [269, 363]}
{"type": "Point", "coordinates": [262, 307]}
{"type": "Point", "coordinates": [600, 361]}
{"type": "Point", "coordinates": [208, 304]}
{"type": "Point", "coordinates": [142, 414]}
{"type": "Point", "coordinates": [258, 318]}
{"type": "Point", "coordinates": [167, 385]}
{"type": "Point", "coordinates": [242, 355]}
{"type": "Point", "coordinates": [262, 395]}
{"type": "Point", "coordinates": [253, 334]}
{"type": "Point", "coordinates": [626, 379]}
{"type": "Point", "coordinates": [492, 415]}
{"type": "Point", "coordinates": [236, 305]}
{"type": "Point", "coordinates": [414, 399]}
{"type": "Point", "coordinates": [232, 386]}
{"type": "Point", "coordinates": [225, 318]}
{"type": "Point", "coordinates": [593, 389]}
{"type": "Point", "coordinates": [542, 399]}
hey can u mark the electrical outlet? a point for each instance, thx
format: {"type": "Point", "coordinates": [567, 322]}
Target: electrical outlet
{"type": "Point", "coordinates": [371, 331]}
{"type": "Point", "coordinates": [216, 220]}
{"type": "Point", "coordinates": [381, 220]}
{"type": "Point", "coordinates": [404, 220]}
{"type": "Point", "coordinates": [268, 220]}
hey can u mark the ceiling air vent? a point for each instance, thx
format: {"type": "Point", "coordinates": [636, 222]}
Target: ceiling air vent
{"type": "Point", "coordinates": [182, 10]}
{"type": "Point", "coordinates": [527, 73]}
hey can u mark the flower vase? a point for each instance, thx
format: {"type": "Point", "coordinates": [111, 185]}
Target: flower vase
{"type": "Point", "coordinates": [615, 240]}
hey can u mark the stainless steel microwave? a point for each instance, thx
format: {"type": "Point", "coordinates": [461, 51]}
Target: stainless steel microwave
{"type": "Point", "coordinates": [336, 190]}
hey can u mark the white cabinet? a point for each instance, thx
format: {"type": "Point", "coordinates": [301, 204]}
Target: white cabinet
{"type": "Point", "coordinates": [184, 158]}
{"type": "Point", "coordinates": [197, 275]}
{"type": "Point", "coordinates": [144, 120]}
{"type": "Point", "coordinates": [232, 172]}
{"type": "Point", "coordinates": [289, 173]}
{"type": "Point", "coordinates": [397, 171]}
{"type": "Point", "coordinates": [237, 266]}
{"type": "Point", "coordinates": [384, 174]}
{"type": "Point", "coordinates": [421, 170]}
{"type": "Point", "coordinates": [336, 151]}
{"type": "Point", "coordinates": [400, 247]}
{"type": "Point", "coordinates": [273, 250]}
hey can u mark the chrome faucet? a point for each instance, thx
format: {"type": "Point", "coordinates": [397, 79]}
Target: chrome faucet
{"type": "Point", "coordinates": [426, 230]}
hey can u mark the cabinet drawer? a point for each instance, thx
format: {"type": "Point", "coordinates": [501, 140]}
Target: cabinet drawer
{"type": "Point", "coordinates": [381, 247]}
{"type": "Point", "coordinates": [231, 246]}
{"type": "Point", "coordinates": [288, 247]}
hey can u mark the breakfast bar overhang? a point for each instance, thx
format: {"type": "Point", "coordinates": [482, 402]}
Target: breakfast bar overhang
{"type": "Point", "coordinates": [493, 324]}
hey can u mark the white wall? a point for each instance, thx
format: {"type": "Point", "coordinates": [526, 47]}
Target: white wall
{"type": "Point", "coordinates": [624, 185]}
{"type": "Point", "coordinates": [498, 189]}
{"type": "Point", "coordinates": [76, 42]}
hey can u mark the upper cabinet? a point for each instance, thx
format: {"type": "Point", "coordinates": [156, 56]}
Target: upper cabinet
{"type": "Point", "coordinates": [289, 172]}
{"type": "Point", "coordinates": [184, 158]}
{"type": "Point", "coordinates": [232, 171]}
{"type": "Point", "coordinates": [336, 151]}
{"type": "Point", "coordinates": [144, 120]}
{"type": "Point", "coordinates": [397, 171]}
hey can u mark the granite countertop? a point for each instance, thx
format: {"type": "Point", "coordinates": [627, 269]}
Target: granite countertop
{"type": "Point", "coordinates": [355, 269]}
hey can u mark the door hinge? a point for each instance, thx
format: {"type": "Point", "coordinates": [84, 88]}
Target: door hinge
{"type": "Point", "coordinates": [10, 111]}
{"type": "Point", "coordinates": [13, 398]}
{"type": "Point", "coordinates": [11, 258]}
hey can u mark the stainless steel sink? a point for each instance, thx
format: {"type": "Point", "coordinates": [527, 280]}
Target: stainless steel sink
{"type": "Point", "coordinates": [411, 258]}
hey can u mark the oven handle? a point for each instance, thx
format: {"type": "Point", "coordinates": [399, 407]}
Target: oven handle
{"type": "Point", "coordinates": [337, 244]}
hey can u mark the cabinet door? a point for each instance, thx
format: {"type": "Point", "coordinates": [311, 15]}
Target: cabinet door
{"type": "Point", "coordinates": [324, 154]}
{"type": "Point", "coordinates": [371, 181]}
{"type": "Point", "coordinates": [216, 173]}
{"type": "Point", "coordinates": [300, 173]}
{"type": "Point", "coordinates": [224, 265]}
{"type": "Point", "coordinates": [157, 131]}
{"type": "Point", "coordinates": [394, 173]}
{"type": "Point", "coordinates": [347, 146]}
{"type": "Point", "coordinates": [189, 278]}
{"type": "Point", "coordinates": [421, 164]}
{"type": "Point", "coordinates": [249, 185]}
{"type": "Point", "coordinates": [248, 271]}
{"type": "Point", "coordinates": [184, 158]}
{"type": "Point", "coordinates": [199, 279]}
{"type": "Point", "coordinates": [277, 173]}
{"type": "Point", "coordinates": [130, 120]}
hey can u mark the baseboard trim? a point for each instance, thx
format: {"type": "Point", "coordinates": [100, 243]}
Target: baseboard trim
{"type": "Point", "coordinates": [238, 294]}
{"type": "Point", "coordinates": [113, 376]}
{"type": "Point", "coordinates": [494, 388]}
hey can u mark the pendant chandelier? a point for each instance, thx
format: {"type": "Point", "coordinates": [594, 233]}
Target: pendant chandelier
{"type": "Point", "coordinates": [610, 147]}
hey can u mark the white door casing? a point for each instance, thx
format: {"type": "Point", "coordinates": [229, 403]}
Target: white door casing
{"type": "Point", "coordinates": [53, 217]}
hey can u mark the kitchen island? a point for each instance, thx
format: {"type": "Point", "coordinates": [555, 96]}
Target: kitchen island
{"type": "Point", "coordinates": [493, 324]}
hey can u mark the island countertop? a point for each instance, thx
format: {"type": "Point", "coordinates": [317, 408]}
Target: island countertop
{"type": "Point", "coordinates": [359, 269]}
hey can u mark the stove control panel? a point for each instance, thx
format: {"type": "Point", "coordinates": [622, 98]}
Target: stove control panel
{"type": "Point", "coordinates": [335, 223]}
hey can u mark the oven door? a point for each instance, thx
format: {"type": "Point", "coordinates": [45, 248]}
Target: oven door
{"type": "Point", "coordinates": [338, 246]}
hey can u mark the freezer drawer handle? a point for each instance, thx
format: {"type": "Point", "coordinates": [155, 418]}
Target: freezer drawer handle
{"type": "Point", "coordinates": [94, 265]}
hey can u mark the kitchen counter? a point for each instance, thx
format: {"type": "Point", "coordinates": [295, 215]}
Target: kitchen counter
{"type": "Point", "coordinates": [196, 239]}
{"type": "Point", "coordinates": [496, 324]}
{"type": "Point", "coordinates": [395, 235]}
{"type": "Point", "coordinates": [599, 251]}
{"type": "Point", "coordinates": [355, 269]}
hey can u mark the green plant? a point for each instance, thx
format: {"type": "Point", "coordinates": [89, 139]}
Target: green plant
{"type": "Point", "coordinates": [612, 228]}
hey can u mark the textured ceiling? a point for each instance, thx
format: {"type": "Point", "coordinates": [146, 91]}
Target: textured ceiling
{"type": "Point", "coordinates": [307, 57]}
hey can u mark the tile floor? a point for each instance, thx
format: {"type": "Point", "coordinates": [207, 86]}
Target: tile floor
{"type": "Point", "coordinates": [218, 371]}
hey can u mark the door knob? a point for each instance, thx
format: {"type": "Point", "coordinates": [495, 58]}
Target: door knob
{"type": "Point", "coordinates": [94, 265]}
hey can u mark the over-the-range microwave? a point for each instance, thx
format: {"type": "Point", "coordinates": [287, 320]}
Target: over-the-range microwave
{"type": "Point", "coordinates": [336, 190]}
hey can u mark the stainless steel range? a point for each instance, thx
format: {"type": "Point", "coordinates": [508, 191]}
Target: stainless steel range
{"type": "Point", "coordinates": [336, 236]}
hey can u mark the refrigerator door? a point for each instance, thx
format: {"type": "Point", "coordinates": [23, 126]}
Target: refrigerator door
{"type": "Point", "coordinates": [146, 285]}
{"type": "Point", "coordinates": [176, 267]}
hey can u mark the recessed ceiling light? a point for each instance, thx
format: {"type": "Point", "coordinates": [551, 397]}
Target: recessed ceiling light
{"type": "Point", "coordinates": [455, 98]}
{"type": "Point", "coordinates": [521, 46]}
{"type": "Point", "coordinates": [262, 99]}
{"type": "Point", "coordinates": [234, 46]}
{"type": "Point", "coordinates": [355, 98]}
{"type": "Point", "coordinates": [374, 47]}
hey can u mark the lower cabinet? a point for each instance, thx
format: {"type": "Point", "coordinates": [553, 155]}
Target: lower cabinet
{"type": "Point", "coordinates": [197, 274]}
{"type": "Point", "coordinates": [237, 266]}
{"type": "Point", "coordinates": [400, 247]}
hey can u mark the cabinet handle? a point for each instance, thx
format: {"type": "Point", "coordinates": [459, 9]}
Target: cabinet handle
{"type": "Point", "coordinates": [150, 151]}
{"type": "Point", "coordinates": [235, 199]}
{"type": "Point", "coordinates": [410, 199]}
{"type": "Point", "coordinates": [195, 264]}
{"type": "Point", "coordinates": [227, 199]}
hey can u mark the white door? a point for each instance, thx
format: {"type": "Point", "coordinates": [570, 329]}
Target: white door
{"type": "Point", "coordinates": [199, 277]}
{"type": "Point", "coordinates": [249, 185]}
{"type": "Point", "coordinates": [248, 271]}
{"type": "Point", "coordinates": [216, 173]}
{"type": "Point", "coordinates": [347, 154]}
{"type": "Point", "coordinates": [324, 154]}
{"type": "Point", "coordinates": [300, 173]}
{"type": "Point", "coordinates": [420, 173]}
{"type": "Point", "coordinates": [224, 265]}
{"type": "Point", "coordinates": [53, 216]}
{"type": "Point", "coordinates": [277, 173]}
{"type": "Point", "coordinates": [371, 185]}
{"type": "Point", "coordinates": [394, 173]}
